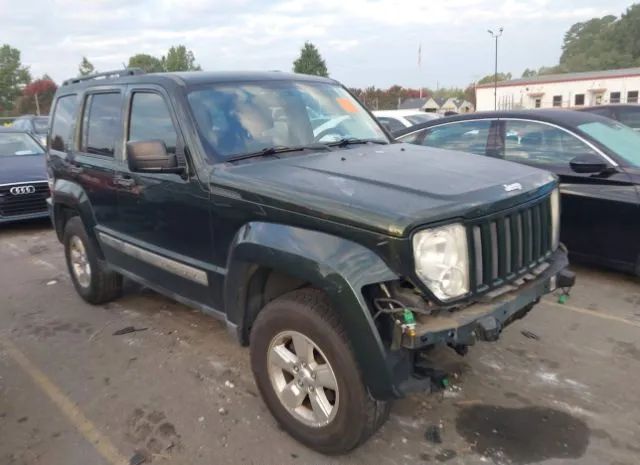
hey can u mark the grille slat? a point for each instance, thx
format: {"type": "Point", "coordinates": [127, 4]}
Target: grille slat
{"type": "Point", "coordinates": [508, 246]}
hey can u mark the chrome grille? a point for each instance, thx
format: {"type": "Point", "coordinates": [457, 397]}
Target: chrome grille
{"type": "Point", "coordinates": [504, 247]}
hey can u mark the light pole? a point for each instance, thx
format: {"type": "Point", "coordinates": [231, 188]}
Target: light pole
{"type": "Point", "coordinates": [495, 35]}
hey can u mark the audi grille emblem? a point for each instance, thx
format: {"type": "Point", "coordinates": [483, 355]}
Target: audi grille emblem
{"type": "Point", "coordinates": [21, 190]}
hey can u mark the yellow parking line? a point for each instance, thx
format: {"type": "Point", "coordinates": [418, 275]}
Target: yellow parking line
{"type": "Point", "coordinates": [101, 443]}
{"type": "Point", "coordinates": [586, 311]}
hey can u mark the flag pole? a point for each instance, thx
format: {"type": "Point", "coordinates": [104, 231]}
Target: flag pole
{"type": "Point", "coordinates": [420, 65]}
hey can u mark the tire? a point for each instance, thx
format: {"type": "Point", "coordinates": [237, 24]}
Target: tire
{"type": "Point", "coordinates": [100, 285]}
{"type": "Point", "coordinates": [357, 415]}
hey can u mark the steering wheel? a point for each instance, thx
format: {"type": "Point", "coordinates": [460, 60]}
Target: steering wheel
{"type": "Point", "coordinates": [335, 130]}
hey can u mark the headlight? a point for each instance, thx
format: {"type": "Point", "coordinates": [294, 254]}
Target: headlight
{"type": "Point", "coordinates": [555, 219]}
{"type": "Point", "coordinates": [442, 261]}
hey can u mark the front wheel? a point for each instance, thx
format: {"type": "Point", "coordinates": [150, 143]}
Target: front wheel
{"type": "Point", "coordinates": [308, 377]}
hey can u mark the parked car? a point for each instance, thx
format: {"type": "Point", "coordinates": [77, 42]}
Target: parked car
{"type": "Point", "coordinates": [334, 262]}
{"type": "Point", "coordinates": [36, 125]}
{"type": "Point", "coordinates": [23, 177]}
{"type": "Point", "coordinates": [395, 120]}
{"type": "Point", "coordinates": [628, 114]}
{"type": "Point", "coordinates": [596, 158]}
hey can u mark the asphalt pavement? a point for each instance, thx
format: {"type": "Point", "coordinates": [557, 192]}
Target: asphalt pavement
{"type": "Point", "coordinates": [560, 387]}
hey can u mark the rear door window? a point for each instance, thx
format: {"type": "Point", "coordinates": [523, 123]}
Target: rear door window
{"type": "Point", "coordinates": [464, 136]}
{"type": "Point", "coordinates": [63, 125]}
{"type": "Point", "coordinates": [150, 120]}
{"type": "Point", "coordinates": [539, 143]}
{"type": "Point", "coordinates": [102, 123]}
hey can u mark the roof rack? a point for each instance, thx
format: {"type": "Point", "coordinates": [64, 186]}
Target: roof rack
{"type": "Point", "coordinates": [106, 75]}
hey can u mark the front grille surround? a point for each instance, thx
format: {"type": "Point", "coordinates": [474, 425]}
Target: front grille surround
{"type": "Point", "coordinates": [508, 245]}
{"type": "Point", "coordinates": [24, 204]}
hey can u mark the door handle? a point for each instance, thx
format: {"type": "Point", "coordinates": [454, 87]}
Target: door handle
{"type": "Point", "coordinates": [75, 170]}
{"type": "Point", "coordinates": [123, 181]}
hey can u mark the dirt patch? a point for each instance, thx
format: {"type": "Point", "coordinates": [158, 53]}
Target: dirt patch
{"type": "Point", "coordinates": [522, 435]}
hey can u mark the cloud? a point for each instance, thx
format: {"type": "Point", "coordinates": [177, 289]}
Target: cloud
{"type": "Point", "coordinates": [365, 42]}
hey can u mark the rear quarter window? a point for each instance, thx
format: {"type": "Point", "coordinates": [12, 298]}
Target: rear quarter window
{"type": "Point", "coordinates": [64, 120]}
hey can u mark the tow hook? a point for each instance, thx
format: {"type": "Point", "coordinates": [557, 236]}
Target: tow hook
{"type": "Point", "coordinates": [488, 329]}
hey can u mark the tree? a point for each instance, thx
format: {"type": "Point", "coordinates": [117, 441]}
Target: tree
{"type": "Point", "coordinates": [148, 63]}
{"type": "Point", "coordinates": [490, 78]}
{"type": "Point", "coordinates": [86, 67]}
{"type": "Point", "coordinates": [470, 94]}
{"type": "Point", "coordinates": [13, 76]}
{"type": "Point", "coordinates": [180, 59]}
{"type": "Point", "coordinates": [527, 73]}
{"type": "Point", "coordinates": [310, 61]}
{"type": "Point", "coordinates": [37, 97]}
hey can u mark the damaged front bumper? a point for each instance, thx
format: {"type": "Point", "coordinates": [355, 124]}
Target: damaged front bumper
{"type": "Point", "coordinates": [484, 321]}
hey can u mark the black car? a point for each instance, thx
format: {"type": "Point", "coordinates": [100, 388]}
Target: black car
{"type": "Point", "coordinates": [596, 158]}
{"type": "Point", "coordinates": [626, 113]}
{"type": "Point", "coordinates": [36, 125]}
{"type": "Point", "coordinates": [23, 177]}
{"type": "Point", "coordinates": [336, 254]}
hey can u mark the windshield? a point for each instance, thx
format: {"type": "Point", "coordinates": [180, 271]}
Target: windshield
{"type": "Point", "coordinates": [15, 143]}
{"type": "Point", "coordinates": [235, 119]}
{"type": "Point", "coordinates": [41, 125]}
{"type": "Point", "coordinates": [622, 140]}
{"type": "Point", "coordinates": [420, 118]}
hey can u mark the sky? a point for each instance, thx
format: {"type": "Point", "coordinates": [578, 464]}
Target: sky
{"type": "Point", "coordinates": [364, 42]}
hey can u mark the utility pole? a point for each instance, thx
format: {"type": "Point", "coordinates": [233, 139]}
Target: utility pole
{"type": "Point", "coordinates": [37, 104]}
{"type": "Point", "coordinates": [495, 35]}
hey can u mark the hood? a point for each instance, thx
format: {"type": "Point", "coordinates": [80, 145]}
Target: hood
{"type": "Point", "coordinates": [22, 168]}
{"type": "Point", "coordinates": [388, 188]}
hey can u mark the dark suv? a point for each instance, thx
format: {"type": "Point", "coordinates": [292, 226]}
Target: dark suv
{"type": "Point", "coordinates": [278, 204]}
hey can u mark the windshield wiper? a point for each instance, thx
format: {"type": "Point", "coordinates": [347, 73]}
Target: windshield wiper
{"type": "Point", "coordinates": [278, 149]}
{"type": "Point", "coordinates": [352, 141]}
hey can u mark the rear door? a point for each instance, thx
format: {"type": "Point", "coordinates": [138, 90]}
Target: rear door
{"type": "Point", "coordinates": [596, 208]}
{"type": "Point", "coordinates": [164, 217]}
{"type": "Point", "coordinates": [98, 154]}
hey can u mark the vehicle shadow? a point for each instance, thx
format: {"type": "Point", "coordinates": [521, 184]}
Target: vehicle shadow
{"type": "Point", "coordinates": [28, 226]}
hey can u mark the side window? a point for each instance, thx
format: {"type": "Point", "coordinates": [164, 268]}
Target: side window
{"type": "Point", "coordinates": [150, 119]}
{"type": "Point", "coordinates": [466, 136]}
{"type": "Point", "coordinates": [101, 123]}
{"type": "Point", "coordinates": [528, 141]}
{"type": "Point", "coordinates": [391, 124]}
{"type": "Point", "coordinates": [630, 117]}
{"type": "Point", "coordinates": [63, 122]}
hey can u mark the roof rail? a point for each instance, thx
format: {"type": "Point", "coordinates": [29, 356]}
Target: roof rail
{"type": "Point", "coordinates": [106, 75]}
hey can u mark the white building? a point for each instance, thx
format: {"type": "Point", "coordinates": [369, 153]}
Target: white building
{"type": "Point", "coordinates": [436, 105]}
{"type": "Point", "coordinates": [562, 90]}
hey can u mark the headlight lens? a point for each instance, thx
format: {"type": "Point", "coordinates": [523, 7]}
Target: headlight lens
{"type": "Point", "coordinates": [555, 219]}
{"type": "Point", "coordinates": [442, 260]}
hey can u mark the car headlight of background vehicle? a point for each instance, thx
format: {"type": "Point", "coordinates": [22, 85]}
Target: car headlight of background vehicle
{"type": "Point", "coordinates": [555, 219]}
{"type": "Point", "coordinates": [442, 260]}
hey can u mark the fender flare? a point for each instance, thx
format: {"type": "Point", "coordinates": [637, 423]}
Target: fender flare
{"type": "Point", "coordinates": [68, 194]}
{"type": "Point", "coordinates": [339, 267]}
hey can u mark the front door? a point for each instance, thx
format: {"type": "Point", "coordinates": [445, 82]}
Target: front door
{"type": "Point", "coordinates": [596, 208]}
{"type": "Point", "coordinates": [165, 217]}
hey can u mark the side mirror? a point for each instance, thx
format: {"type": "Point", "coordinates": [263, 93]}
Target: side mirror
{"type": "Point", "coordinates": [150, 156]}
{"type": "Point", "coordinates": [588, 163]}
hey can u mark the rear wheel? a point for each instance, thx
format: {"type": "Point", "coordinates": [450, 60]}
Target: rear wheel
{"type": "Point", "coordinates": [308, 377]}
{"type": "Point", "coordinates": [90, 276]}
